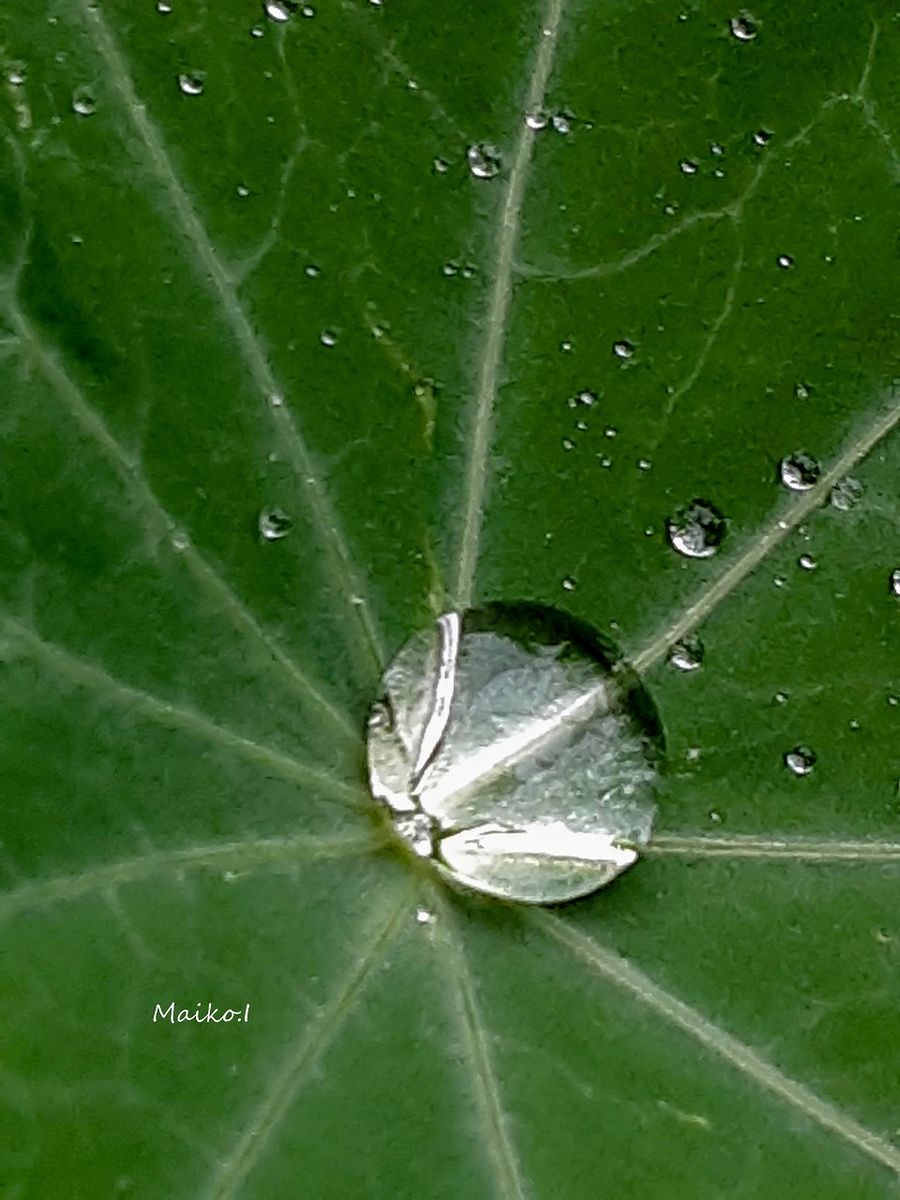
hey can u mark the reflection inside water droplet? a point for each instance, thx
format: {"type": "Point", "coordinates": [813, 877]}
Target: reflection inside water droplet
{"type": "Point", "coordinates": [697, 530]}
{"type": "Point", "coordinates": [894, 582]}
{"type": "Point", "coordinates": [800, 760]}
{"type": "Point", "coordinates": [510, 750]}
{"type": "Point", "coordinates": [799, 471]}
{"type": "Point", "coordinates": [623, 349]}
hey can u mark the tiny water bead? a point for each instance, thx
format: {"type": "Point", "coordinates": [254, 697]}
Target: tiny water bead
{"type": "Point", "coordinates": [484, 160]}
{"type": "Point", "coordinates": [846, 494]}
{"type": "Point", "coordinates": [688, 167]}
{"type": "Point", "coordinates": [191, 85]}
{"type": "Point", "coordinates": [696, 530]}
{"type": "Point", "coordinates": [279, 10]}
{"type": "Point", "coordinates": [800, 760]}
{"type": "Point", "coordinates": [83, 102]}
{"type": "Point", "coordinates": [273, 524]}
{"type": "Point", "coordinates": [623, 349]}
{"type": "Point", "coordinates": [894, 582]}
{"type": "Point", "coordinates": [687, 655]}
{"type": "Point", "coordinates": [799, 471]}
{"type": "Point", "coordinates": [328, 338]}
{"type": "Point", "coordinates": [743, 27]}
{"type": "Point", "coordinates": [762, 137]}
{"type": "Point", "coordinates": [536, 121]}
{"type": "Point", "coordinates": [784, 261]}
{"type": "Point", "coordinates": [512, 751]}
{"type": "Point", "coordinates": [807, 562]}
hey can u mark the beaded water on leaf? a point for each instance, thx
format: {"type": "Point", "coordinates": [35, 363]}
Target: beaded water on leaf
{"type": "Point", "coordinates": [512, 752]}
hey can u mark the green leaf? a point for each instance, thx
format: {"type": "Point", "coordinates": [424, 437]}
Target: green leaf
{"type": "Point", "coordinates": [277, 287]}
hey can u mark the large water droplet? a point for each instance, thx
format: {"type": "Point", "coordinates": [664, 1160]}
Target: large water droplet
{"type": "Point", "coordinates": [484, 160]}
{"type": "Point", "coordinates": [696, 530]}
{"type": "Point", "coordinates": [273, 524]}
{"type": "Point", "coordinates": [191, 85]}
{"type": "Point", "coordinates": [800, 760]}
{"type": "Point", "coordinates": [799, 471]}
{"type": "Point", "coordinates": [509, 751]}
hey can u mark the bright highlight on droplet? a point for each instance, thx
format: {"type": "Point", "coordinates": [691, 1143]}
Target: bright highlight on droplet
{"type": "Point", "coordinates": [512, 753]}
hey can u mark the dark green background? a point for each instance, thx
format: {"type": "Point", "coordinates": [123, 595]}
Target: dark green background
{"type": "Point", "coordinates": [184, 813]}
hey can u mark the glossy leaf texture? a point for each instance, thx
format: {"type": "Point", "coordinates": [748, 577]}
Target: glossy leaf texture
{"type": "Point", "coordinates": [308, 335]}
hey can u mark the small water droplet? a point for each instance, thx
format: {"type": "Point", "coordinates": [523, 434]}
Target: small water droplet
{"type": "Point", "coordinates": [424, 916]}
{"type": "Point", "coordinates": [846, 494]}
{"type": "Point", "coordinates": [780, 698]}
{"type": "Point", "coordinates": [587, 398]}
{"type": "Point", "coordinates": [328, 338]}
{"type": "Point", "coordinates": [855, 724]}
{"type": "Point", "coordinates": [893, 701]}
{"type": "Point", "coordinates": [785, 261]}
{"type": "Point", "coordinates": [273, 524]}
{"type": "Point", "coordinates": [623, 349]}
{"type": "Point", "coordinates": [687, 166]}
{"type": "Point", "coordinates": [568, 584]}
{"type": "Point", "coordinates": [610, 431]}
{"type": "Point", "coordinates": [83, 102]}
{"type": "Point", "coordinates": [180, 540]}
{"type": "Point", "coordinates": [15, 76]}
{"type": "Point", "coordinates": [687, 655]}
{"type": "Point", "coordinates": [807, 562]}
{"type": "Point", "coordinates": [536, 120]}
{"type": "Point", "coordinates": [566, 346]}
{"type": "Point", "coordinates": [605, 462]}
{"type": "Point", "coordinates": [762, 137]}
{"type": "Point", "coordinates": [779, 581]}
{"type": "Point", "coordinates": [581, 426]}
{"type": "Point", "coordinates": [894, 581]}
{"type": "Point", "coordinates": [743, 27]}
{"type": "Point", "coordinates": [800, 760]}
{"type": "Point", "coordinates": [257, 31]}
{"type": "Point", "coordinates": [449, 269]}
{"type": "Point", "coordinates": [484, 160]}
{"type": "Point", "coordinates": [307, 11]}
{"type": "Point", "coordinates": [697, 530]}
{"type": "Point", "coordinates": [562, 122]}
{"type": "Point", "coordinates": [799, 471]}
{"type": "Point", "coordinates": [801, 391]}
{"type": "Point", "coordinates": [191, 85]}
{"type": "Point", "coordinates": [279, 10]}
{"type": "Point", "coordinates": [440, 166]}
{"type": "Point", "coordinates": [644, 464]}
{"type": "Point", "coordinates": [568, 444]}
{"type": "Point", "coordinates": [163, 6]}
